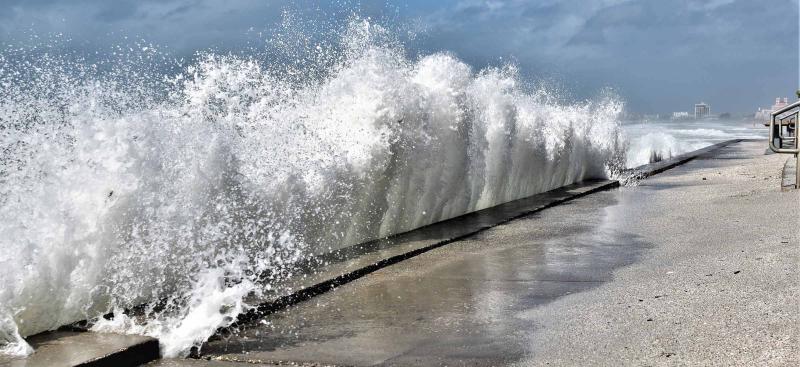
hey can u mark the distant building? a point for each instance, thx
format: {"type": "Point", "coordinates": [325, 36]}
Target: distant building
{"type": "Point", "coordinates": [680, 115]}
{"type": "Point", "coordinates": [652, 117]}
{"type": "Point", "coordinates": [701, 110]}
{"type": "Point", "coordinates": [780, 103]}
{"type": "Point", "coordinates": [765, 113]}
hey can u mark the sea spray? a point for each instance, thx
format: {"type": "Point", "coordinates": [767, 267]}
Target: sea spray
{"type": "Point", "coordinates": [659, 140]}
{"type": "Point", "coordinates": [181, 194]}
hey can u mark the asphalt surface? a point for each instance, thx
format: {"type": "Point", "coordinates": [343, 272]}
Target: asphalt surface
{"type": "Point", "coordinates": [698, 265]}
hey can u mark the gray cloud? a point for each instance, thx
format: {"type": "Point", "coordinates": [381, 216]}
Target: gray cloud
{"type": "Point", "coordinates": [661, 55]}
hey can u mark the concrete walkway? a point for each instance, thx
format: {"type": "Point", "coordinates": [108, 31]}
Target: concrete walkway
{"type": "Point", "coordinates": [67, 349]}
{"type": "Point", "coordinates": [689, 267]}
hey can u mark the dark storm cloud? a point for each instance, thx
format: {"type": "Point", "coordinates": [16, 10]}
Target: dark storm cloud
{"type": "Point", "coordinates": [661, 55]}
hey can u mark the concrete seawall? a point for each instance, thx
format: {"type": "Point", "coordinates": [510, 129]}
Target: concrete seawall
{"type": "Point", "coordinates": [356, 262]}
{"type": "Point", "coordinates": [684, 268]}
{"type": "Point", "coordinates": [343, 266]}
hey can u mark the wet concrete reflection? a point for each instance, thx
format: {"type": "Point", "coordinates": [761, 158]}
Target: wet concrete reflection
{"type": "Point", "coordinates": [456, 305]}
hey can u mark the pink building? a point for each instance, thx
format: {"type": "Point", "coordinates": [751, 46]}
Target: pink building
{"type": "Point", "coordinates": [764, 114]}
{"type": "Point", "coordinates": [780, 103]}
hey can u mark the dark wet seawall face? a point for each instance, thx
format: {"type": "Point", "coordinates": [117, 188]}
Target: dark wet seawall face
{"type": "Point", "coordinates": [456, 304]}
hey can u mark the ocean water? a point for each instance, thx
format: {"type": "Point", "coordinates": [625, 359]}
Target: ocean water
{"type": "Point", "coordinates": [122, 185]}
{"type": "Point", "coordinates": [655, 140]}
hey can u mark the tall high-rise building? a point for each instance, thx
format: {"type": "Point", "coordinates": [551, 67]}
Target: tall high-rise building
{"type": "Point", "coordinates": [701, 110]}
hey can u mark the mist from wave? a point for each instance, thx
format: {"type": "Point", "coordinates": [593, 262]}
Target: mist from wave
{"type": "Point", "coordinates": [185, 193]}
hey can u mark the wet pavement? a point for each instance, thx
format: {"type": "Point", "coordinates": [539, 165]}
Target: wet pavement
{"type": "Point", "coordinates": [696, 266]}
{"type": "Point", "coordinates": [326, 271]}
{"type": "Point", "coordinates": [638, 275]}
{"type": "Point", "coordinates": [458, 304]}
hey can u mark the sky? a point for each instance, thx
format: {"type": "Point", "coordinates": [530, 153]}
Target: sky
{"type": "Point", "coordinates": [658, 55]}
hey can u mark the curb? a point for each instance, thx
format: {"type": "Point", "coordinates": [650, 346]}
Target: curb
{"type": "Point", "coordinates": [485, 219]}
{"type": "Point", "coordinates": [86, 349]}
{"type": "Point", "coordinates": [318, 284]}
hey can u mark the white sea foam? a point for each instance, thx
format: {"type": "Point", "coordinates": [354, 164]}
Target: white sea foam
{"type": "Point", "coordinates": [708, 133]}
{"type": "Point", "coordinates": [657, 146]}
{"type": "Point", "coordinates": [122, 189]}
{"type": "Point", "coordinates": [657, 140]}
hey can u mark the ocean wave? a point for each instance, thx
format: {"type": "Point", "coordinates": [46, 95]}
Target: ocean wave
{"type": "Point", "coordinates": [705, 133]}
{"type": "Point", "coordinates": [187, 193]}
{"type": "Point", "coordinates": [658, 146]}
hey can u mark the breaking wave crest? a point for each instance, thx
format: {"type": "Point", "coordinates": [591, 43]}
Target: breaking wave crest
{"type": "Point", "coordinates": [187, 193]}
